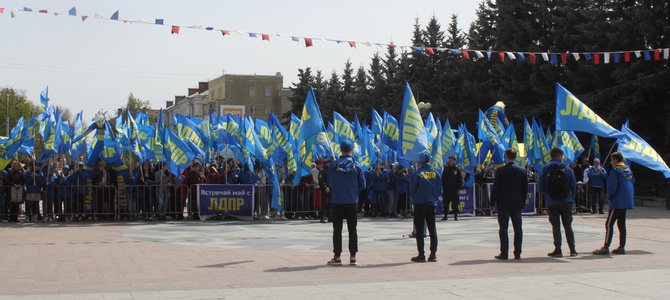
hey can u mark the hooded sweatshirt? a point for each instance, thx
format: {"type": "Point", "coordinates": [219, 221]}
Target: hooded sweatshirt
{"type": "Point", "coordinates": [345, 179]}
{"type": "Point", "coordinates": [620, 190]}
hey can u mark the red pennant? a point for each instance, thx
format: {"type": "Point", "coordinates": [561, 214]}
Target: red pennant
{"type": "Point", "coordinates": [532, 58]}
{"type": "Point", "coordinates": [2, 10]}
{"type": "Point", "coordinates": [596, 58]}
{"type": "Point", "coordinates": [83, 18]}
{"type": "Point", "coordinates": [175, 29]}
{"type": "Point", "coordinates": [265, 36]}
{"type": "Point", "coordinates": [43, 11]}
{"type": "Point", "coordinates": [430, 51]}
{"type": "Point", "coordinates": [465, 54]}
{"type": "Point", "coordinates": [564, 58]}
{"type": "Point", "coordinates": [626, 56]}
{"type": "Point", "coordinates": [308, 42]}
{"type": "Point", "coordinates": [392, 46]}
{"type": "Point", "coordinates": [657, 54]}
{"type": "Point", "coordinates": [225, 32]}
{"type": "Point", "coordinates": [352, 44]}
{"type": "Point", "coordinates": [501, 55]}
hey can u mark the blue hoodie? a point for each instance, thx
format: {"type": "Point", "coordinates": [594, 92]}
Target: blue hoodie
{"type": "Point", "coordinates": [544, 181]}
{"type": "Point", "coordinates": [425, 185]}
{"type": "Point", "coordinates": [345, 178]}
{"type": "Point", "coordinates": [620, 190]}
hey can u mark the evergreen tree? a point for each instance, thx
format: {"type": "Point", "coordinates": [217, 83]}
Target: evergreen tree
{"type": "Point", "coordinates": [299, 91]}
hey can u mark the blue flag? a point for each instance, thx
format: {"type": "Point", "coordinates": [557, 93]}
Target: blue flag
{"type": "Point", "coordinates": [391, 131]}
{"type": "Point", "coordinates": [177, 154]}
{"type": "Point", "coordinates": [496, 116]}
{"type": "Point", "coordinates": [312, 132]}
{"type": "Point", "coordinates": [595, 146]}
{"type": "Point", "coordinates": [431, 131]}
{"type": "Point", "coordinates": [573, 115]}
{"type": "Point", "coordinates": [79, 147]}
{"type": "Point", "coordinates": [44, 98]}
{"type": "Point", "coordinates": [569, 143]}
{"type": "Point", "coordinates": [15, 139]}
{"type": "Point", "coordinates": [637, 150]}
{"type": "Point", "coordinates": [29, 134]}
{"type": "Point", "coordinates": [377, 122]}
{"type": "Point", "coordinates": [413, 140]}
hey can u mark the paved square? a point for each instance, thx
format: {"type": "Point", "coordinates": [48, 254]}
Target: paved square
{"type": "Point", "coordinates": [287, 260]}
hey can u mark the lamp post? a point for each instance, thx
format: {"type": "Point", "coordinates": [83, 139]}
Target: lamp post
{"type": "Point", "coordinates": [424, 108]}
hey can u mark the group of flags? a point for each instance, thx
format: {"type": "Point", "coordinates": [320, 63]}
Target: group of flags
{"type": "Point", "coordinates": [556, 58]}
{"type": "Point", "coordinates": [309, 138]}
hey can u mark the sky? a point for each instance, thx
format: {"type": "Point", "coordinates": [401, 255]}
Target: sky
{"type": "Point", "coordinates": [95, 64]}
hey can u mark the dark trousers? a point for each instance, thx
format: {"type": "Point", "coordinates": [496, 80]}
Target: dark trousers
{"type": "Point", "coordinates": [504, 216]}
{"type": "Point", "coordinates": [453, 201]}
{"type": "Point", "coordinates": [618, 216]}
{"type": "Point", "coordinates": [562, 213]}
{"type": "Point", "coordinates": [341, 212]}
{"type": "Point", "coordinates": [324, 210]}
{"type": "Point", "coordinates": [425, 213]}
{"type": "Point", "coordinates": [596, 195]}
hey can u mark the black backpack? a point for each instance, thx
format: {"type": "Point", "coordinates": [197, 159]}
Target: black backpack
{"type": "Point", "coordinates": [558, 186]}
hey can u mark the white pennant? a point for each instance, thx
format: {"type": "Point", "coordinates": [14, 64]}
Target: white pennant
{"type": "Point", "coordinates": [479, 54]}
{"type": "Point", "coordinates": [14, 12]}
{"type": "Point", "coordinates": [666, 53]}
{"type": "Point", "coordinates": [638, 54]}
{"type": "Point", "coordinates": [99, 16]}
{"type": "Point", "coordinates": [576, 56]}
{"type": "Point", "coordinates": [511, 55]}
{"type": "Point", "coordinates": [545, 56]}
{"type": "Point", "coordinates": [606, 57]}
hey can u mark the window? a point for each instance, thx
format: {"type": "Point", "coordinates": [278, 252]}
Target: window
{"type": "Point", "coordinates": [252, 109]}
{"type": "Point", "coordinates": [268, 91]}
{"type": "Point", "coordinates": [252, 91]}
{"type": "Point", "coordinates": [268, 110]}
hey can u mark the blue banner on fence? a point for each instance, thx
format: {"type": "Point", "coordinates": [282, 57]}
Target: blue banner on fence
{"type": "Point", "coordinates": [529, 208]}
{"type": "Point", "coordinates": [466, 206]}
{"type": "Point", "coordinates": [222, 199]}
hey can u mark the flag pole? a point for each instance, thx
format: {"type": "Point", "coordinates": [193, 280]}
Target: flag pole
{"type": "Point", "coordinates": [608, 154]}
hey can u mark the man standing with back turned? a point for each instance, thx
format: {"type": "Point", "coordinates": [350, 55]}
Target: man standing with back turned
{"type": "Point", "coordinates": [508, 196]}
{"type": "Point", "coordinates": [557, 183]}
{"type": "Point", "coordinates": [345, 178]}
{"type": "Point", "coordinates": [425, 186]}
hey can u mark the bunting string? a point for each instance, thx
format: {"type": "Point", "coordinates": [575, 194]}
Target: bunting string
{"type": "Point", "coordinates": [555, 58]}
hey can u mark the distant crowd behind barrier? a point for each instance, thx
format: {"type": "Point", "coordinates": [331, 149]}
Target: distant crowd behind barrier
{"type": "Point", "coordinates": [56, 191]}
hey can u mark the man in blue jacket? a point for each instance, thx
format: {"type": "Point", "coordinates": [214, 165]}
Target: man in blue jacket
{"type": "Point", "coordinates": [597, 176]}
{"type": "Point", "coordinates": [345, 179]}
{"type": "Point", "coordinates": [560, 209]}
{"type": "Point", "coordinates": [620, 192]}
{"type": "Point", "coordinates": [508, 197]}
{"type": "Point", "coordinates": [425, 187]}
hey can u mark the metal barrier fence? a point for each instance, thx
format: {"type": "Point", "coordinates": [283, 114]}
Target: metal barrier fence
{"type": "Point", "coordinates": [179, 202]}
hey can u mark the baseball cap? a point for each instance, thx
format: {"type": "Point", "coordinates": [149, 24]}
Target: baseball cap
{"type": "Point", "coordinates": [346, 145]}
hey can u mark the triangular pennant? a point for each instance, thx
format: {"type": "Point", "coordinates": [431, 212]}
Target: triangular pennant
{"type": "Point", "coordinates": [175, 29]}
{"type": "Point", "coordinates": [225, 32]}
{"type": "Point", "coordinates": [465, 54]}
{"type": "Point", "coordinates": [430, 51]}
{"type": "Point", "coordinates": [352, 44]}
{"type": "Point", "coordinates": [564, 58]}
{"type": "Point", "coordinates": [159, 21]}
{"type": "Point", "coordinates": [575, 56]}
{"type": "Point", "coordinates": [43, 11]}
{"type": "Point", "coordinates": [83, 18]}
{"type": "Point", "coordinates": [308, 42]}
{"type": "Point", "coordinates": [265, 36]}
{"type": "Point", "coordinates": [501, 56]}
{"type": "Point", "coordinates": [115, 16]}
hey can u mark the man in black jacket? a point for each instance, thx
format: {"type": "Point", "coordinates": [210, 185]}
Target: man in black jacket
{"type": "Point", "coordinates": [452, 182]}
{"type": "Point", "coordinates": [508, 196]}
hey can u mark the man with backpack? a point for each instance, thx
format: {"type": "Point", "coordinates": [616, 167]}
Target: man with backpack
{"type": "Point", "coordinates": [557, 183]}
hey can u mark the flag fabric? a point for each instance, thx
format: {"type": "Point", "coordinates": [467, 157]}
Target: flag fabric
{"type": "Point", "coordinates": [177, 154]}
{"type": "Point", "coordinates": [595, 146]}
{"type": "Point", "coordinates": [15, 139]}
{"type": "Point", "coordinates": [413, 140]}
{"type": "Point", "coordinates": [496, 116]}
{"type": "Point", "coordinates": [342, 129]}
{"type": "Point", "coordinates": [569, 143]}
{"type": "Point", "coordinates": [447, 141]}
{"type": "Point", "coordinates": [637, 150]}
{"type": "Point", "coordinates": [377, 123]}
{"type": "Point", "coordinates": [529, 141]}
{"type": "Point", "coordinates": [438, 151]}
{"type": "Point", "coordinates": [490, 140]}
{"type": "Point", "coordinates": [540, 148]}
{"type": "Point", "coordinates": [312, 132]}
{"type": "Point", "coordinates": [44, 98]}
{"type": "Point", "coordinates": [391, 131]}
{"type": "Point", "coordinates": [29, 133]}
{"type": "Point", "coordinates": [573, 115]}
{"type": "Point", "coordinates": [431, 131]}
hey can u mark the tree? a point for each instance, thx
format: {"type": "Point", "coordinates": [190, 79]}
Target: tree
{"type": "Point", "coordinates": [19, 106]}
{"type": "Point", "coordinates": [299, 91]}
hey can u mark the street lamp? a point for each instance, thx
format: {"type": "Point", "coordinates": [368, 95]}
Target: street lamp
{"type": "Point", "coordinates": [424, 108]}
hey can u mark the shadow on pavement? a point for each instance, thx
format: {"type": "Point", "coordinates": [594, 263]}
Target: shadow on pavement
{"type": "Point", "coordinates": [226, 264]}
{"type": "Point", "coordinates": [309, 268]}
{"type": "Point", "coordinates": [496, 261]}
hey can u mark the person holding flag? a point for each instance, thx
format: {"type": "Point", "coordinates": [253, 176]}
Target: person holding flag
{"type": "Point", "coordinates": [620, 193]}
